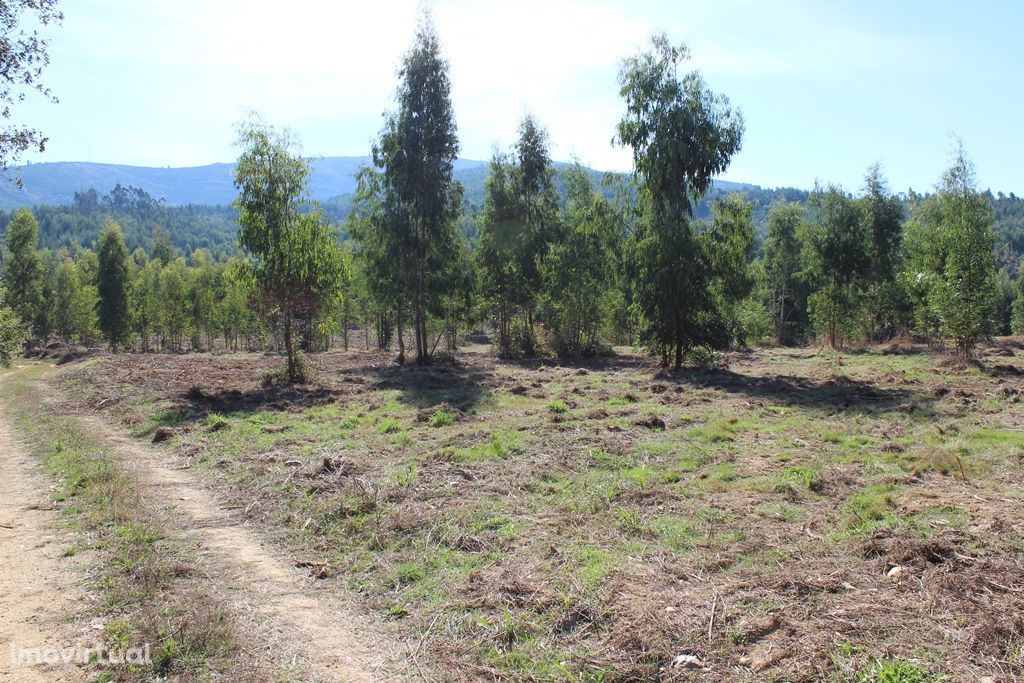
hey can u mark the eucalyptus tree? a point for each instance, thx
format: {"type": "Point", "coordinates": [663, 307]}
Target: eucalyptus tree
{"type": "Point", "coordinates": [500, 245]}
{"type": "Point", "coordinates": [24, 56]}
{"type": "Point", "coordinates": [297, 259]}
{"type": "Point", "coordinates": [13, 332]}
{"type": "Point", "coordinates": [112, 283]}
{"type": "Point", "coordinates": [782, 266]}
{"type": "Point", "coordinates": [836, 261]}
{"type": "Point", "coordinates": [75, 303]}
{"type": "Point", "coordinates": [580, 280]}
{"type": "Point", "coordinates": [966, 293]}
{"type": "Point", "coordinates": [537, 203]}
{"type": "Point", "coordinates": [883, 296]}
{"type": "Point", "coordinates": [24, 274]}
{"type": "Point", "coordinates": [415, 153]}
{"type": "Point", "coordinates": [728, 242]}
{"type": "Point", "coordinates": [681, 134]}
{"type": "Point", "coordinates": [381, 261]}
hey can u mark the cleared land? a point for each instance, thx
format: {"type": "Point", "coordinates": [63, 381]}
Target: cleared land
{"type": "Point", "coordinates": [793, 515]}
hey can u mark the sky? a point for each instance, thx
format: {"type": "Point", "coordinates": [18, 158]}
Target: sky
{"type": "Point", "coordinates": [825, 88]}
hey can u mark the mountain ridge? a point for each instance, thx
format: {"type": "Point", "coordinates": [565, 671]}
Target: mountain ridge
{"type": "Point", "coordinates": [55, 183]}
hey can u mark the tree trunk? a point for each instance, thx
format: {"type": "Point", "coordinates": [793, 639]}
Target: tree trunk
{"type": "Point", "coordinates": [289, 347]}
{"type": "Point", "coordinates": [344, 325]}
{"type": "Point", "coordinates": [401, 334]}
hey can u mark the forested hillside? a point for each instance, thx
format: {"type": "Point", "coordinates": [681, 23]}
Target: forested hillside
{"type": "Point", "coordinates": [214, 227]}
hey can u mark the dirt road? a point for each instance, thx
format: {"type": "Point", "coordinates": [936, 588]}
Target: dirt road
{"type": "Point", "coordinates": [297, 626]}
{"type": "Point", "coordinates": [297, 618]}
{"type": "Point", "coordinates": [38, 587]}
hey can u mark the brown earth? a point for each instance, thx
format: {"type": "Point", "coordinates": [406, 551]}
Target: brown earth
{"type": "Point", "coordinates": [38, 587]}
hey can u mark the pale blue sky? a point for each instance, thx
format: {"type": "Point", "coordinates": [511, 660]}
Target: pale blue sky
{"type": "Point", "coordinates": [826, 88]}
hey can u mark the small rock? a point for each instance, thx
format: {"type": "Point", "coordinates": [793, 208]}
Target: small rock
{"type": "Point", "coordinates": [162, 434]}
{"type": "Point", "coordinates": [670, 609]}
{"type": "Point", "coordinates": [896, 572]}
{"type": "Point", "coordinates": [687, 662]}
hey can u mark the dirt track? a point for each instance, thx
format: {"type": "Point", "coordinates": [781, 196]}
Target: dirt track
{"type": "Point", "coordinates": [37, 586]}
{"type": "Point", "coordinates": [328, 639]}
{"type": "Point", "coordinates": [297, 625]}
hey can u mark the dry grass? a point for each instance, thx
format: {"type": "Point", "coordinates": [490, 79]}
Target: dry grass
{"type": "Point", "coordinates": [792, 516]}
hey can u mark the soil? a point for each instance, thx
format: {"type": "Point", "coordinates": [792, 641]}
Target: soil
{"type": "Point", "coordinates": [38, 587]}
{"type": "Point", "coordinates": [328, 639]}
{"type": "Point", "coordinates": [299, 625]}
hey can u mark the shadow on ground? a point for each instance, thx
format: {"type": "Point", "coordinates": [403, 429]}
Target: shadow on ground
{"type": "Point", "coordinates": [832, 394]}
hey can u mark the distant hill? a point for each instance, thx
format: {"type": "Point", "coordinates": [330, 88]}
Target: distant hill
{"type": "Point", "coordinates": [193, 204]}
{"type": "Point", "coordinates": [55, 184]}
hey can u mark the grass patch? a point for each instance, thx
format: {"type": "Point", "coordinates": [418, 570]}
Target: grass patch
{"type": "Point", "coordinates": [895, 671]}
{"type": "Point", "coordinates": [441, 418]}
{"type": "Point", "coordinates": [500, 447]}
{"type": "Point", "coordinates": [557, 407]}
{"type": "Point", "coordinates": [721, 430]}
{"type": "Point", "coordinates": [871, 509]}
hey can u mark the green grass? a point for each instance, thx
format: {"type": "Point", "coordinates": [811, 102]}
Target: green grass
{"type": "Point", "coordinates": [895, 671]}
{"type": "Point", "coordinates": [500, 447]}
{"type": "Point", "coordinates": [870, 509]}
{"type": "Point", "coordinates": [441, 418]}
{"type": "Point", "coordinates": [721, 430]}
{"type": "Point", "coordinates": [557, 407]}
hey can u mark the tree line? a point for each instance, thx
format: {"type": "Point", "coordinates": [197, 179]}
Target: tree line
{"type": "Point", "coordinates": [551, 260]}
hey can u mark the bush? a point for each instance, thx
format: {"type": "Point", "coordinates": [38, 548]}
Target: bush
{"type": "Point", "coordinates": [558, 407]}
{"type": "Point", "coordinates": [13, 334]}
{"type": "Point", "coordinates": [305, 372]}
{"type": "Point", "coordinates": [441, 418]}
{"type": "Point", "coordinates": [523, 340]}
{"type": "Point", "coordinates": [705, 357]}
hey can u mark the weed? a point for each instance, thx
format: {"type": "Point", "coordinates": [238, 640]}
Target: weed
{"type": "Point", "coordinates": [441, 418]}
{"type": "Point", "coordinates": [895, 671]}
{"type": "Point", "coordinates": [405, 476]}
{"type": "Point", "coordinates": [870, 509]}
{"type": "Point", "coordinates": [557, 407]}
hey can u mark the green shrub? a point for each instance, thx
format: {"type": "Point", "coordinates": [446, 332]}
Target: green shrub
{"type": "Point", "coordinates": [441, 418]}
{"type": "Point", "coordinates": [558, 407]}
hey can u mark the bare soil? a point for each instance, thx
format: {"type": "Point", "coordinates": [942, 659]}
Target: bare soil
{"type": "Point", "coordinates": [328, 638]}
{"type": "Point", "coordinates": [39, 588]}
